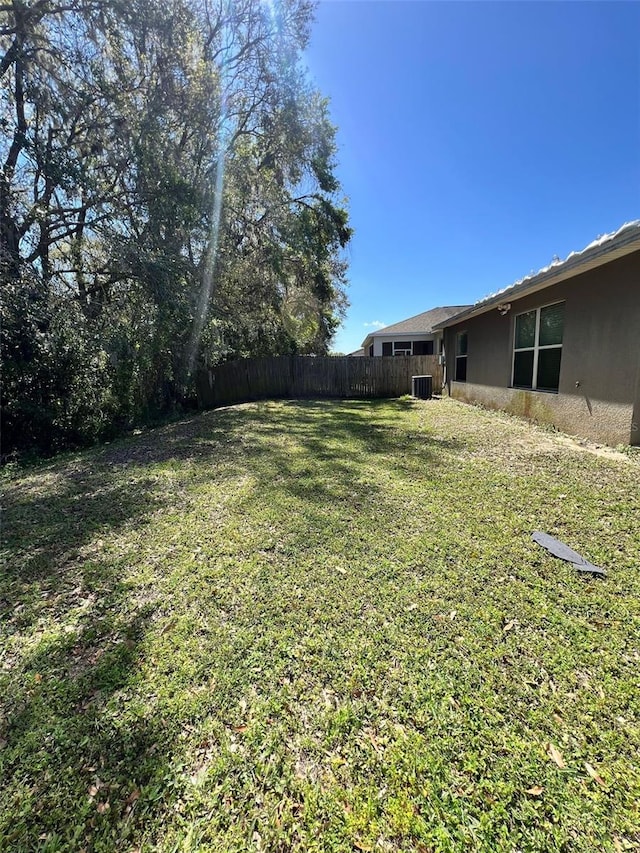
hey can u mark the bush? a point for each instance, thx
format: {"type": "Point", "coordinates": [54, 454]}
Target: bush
{"type": "Point", "coordinates": [56, 376]}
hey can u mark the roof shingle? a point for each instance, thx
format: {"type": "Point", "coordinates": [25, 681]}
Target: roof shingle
{"type": "Point", "coordinates": [421, 324]}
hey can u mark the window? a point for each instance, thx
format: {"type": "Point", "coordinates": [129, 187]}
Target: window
{"type": "Point", "coordinates": [423, 347]}
{"type": "Point", "coordinates": [402, 347]}
{"type": "Point", "coordinates": [370, 349]}
{"type": "Point", "coordinates": [461, 357]}
{"type": "Point", "coordinates": [537, 348]}
{"type": "Point", "coordinates": [387, 348]}
{"type": "Point", "coordinates": [440, 346]}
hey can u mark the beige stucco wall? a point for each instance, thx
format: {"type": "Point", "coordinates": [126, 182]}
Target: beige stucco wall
{"type": "Point", "coordinates": [601, 353]}
{"type": "Point", "coordinates": [597, 420]}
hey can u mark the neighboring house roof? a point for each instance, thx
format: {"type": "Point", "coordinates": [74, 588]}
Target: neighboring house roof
{"type": "Point", "coordinates": [356, 353]}
{"type": "Point", "coordinates": [602, 250]}
{"type": "Point", "coordinates": [421, 324]}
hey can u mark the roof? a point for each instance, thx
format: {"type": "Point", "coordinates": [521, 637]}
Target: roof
{"type": "Point", "coordinates": [421, 324]}
{"type": "Point", "coordinates": [602, 250]}
{"type": "Point", "coordinates": [356, 353]}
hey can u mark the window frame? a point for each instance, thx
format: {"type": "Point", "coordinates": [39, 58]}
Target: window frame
{"type": "Point", "coordinates": [536, 349]}
{"type": "Point", "coordinates": [397, 350]}
{"type": "Point", "coordinates": [425, 345]}
{"type": "Point", "coordinates": [460, 356]}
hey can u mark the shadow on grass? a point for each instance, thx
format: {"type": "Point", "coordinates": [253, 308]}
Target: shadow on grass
{"type": "Point", "coordinates": [54, 517]}
{"type": "Point", "coordinates": [70, 769]}
{"type": "Point", "coordinates": [67, 751]}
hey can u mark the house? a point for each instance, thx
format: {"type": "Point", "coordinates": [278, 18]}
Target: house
{"type": "Point", "coordinates": [358, 353]}
{"type": "Point", "coordinates": [415, 336]}
{"type": "Point", "coordinates": [562, 346]}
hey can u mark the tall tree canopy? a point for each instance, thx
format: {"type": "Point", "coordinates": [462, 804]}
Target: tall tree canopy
{"type": "Point", "coordinates": [167, 199]}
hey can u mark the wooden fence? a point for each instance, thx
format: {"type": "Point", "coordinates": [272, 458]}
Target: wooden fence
{"type": "Point", "coordinates": [308, 376]}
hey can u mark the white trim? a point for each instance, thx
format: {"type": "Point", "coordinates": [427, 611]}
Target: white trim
{"type": "Point", "coordinates": [398, 350]}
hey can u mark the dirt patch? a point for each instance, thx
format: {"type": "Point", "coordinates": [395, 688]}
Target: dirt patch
{"type": "Point", "coordinates": [602, 450]}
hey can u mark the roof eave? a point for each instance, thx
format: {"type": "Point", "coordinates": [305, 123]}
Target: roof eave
{"type": "Point", "coordinates": [586, 261]}
{"type": "Point", "coordinates": [382, 334]}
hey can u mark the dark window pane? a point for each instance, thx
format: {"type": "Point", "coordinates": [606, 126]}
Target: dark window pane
{"type": "Point", "coordinates": [461, 368]}
{"type": "Point", "coordinates": [551, 324]}
{"type": "Point", "coordinates": [549, 369]}
{"type": "Point", "coordinates": [423, 347]}
{"type": "Point", "coordinates": [525, 330]}
{"type": "Point", "coordinates": [461, 344]}
{"type": "Point", "coordinates": [523, 369]}
{"type": "Point", "coordinates": [387, 348]}
{"type": "Point", "coordinates": [402, 345]}
{"type": "Point", "coordinates": [371, 350]}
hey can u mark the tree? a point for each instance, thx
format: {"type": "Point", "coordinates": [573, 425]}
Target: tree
{"type": "Point", "coordinates": [168, 192]}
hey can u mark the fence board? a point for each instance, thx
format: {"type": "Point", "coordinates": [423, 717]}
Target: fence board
{"type": "Point", "coordinates": [308, 376]}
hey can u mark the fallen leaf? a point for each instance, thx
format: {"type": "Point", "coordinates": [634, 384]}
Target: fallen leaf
{"type": "Point", "coordinates": [622, 844]}
{"type": "Point", "coordinates": [510, 624]}
{"type": "Point", "coordinates": [37, 678]}
{"type": "Point", "coordinates": [555, 755]}
{"type": "Point", "coordinates": [133, 796]}
{"type": "Point", "coordinates": [453, 615]}
{"type": "Point", "coordinates": [411, 607]}
{"type": "Point", "coordinates": [342, 571]}
{"type": "Point", "coordinates": [169, 625]}
{"type": "Point", "coordinates": [240, 729]}
{"type": "Point", "coordinates": [103, 807]}
{"type": "Point", "coordinates": [594, 774]}
{"type": "Point", "coordinates": [535, 791]}
{"type": "Point", "coordinates": [359, 845]}
{"type": "Point", "coordinates": [93, 790]}
{"type": "Point", "coordinates": [373, 741]}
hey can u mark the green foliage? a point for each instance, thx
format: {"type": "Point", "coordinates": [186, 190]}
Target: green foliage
{"type": "Point", "coordinates": [167, 186]}
{"type": "Point", "coordinates": [56, 377]}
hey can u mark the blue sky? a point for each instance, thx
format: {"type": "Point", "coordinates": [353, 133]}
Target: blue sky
{"type": "Point", "coordinates": [476, 141]}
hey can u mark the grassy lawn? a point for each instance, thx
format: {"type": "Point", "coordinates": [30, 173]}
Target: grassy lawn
{"type": "Point", "coordinates": [321, 627]}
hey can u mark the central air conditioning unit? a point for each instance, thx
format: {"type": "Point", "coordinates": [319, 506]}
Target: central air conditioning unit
{"type": "Point", "coordinates": [422, 387]}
